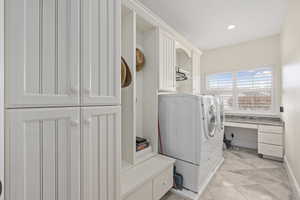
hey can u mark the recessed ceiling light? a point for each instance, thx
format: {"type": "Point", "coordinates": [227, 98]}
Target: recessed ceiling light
{"type": "Point", "coordinates": [230, 27]}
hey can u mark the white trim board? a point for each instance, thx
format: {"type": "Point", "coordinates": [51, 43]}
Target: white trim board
{"type": "Point", "coordinates": [293, 180]}
{"type": "Point", "coordinates": [2, 96]}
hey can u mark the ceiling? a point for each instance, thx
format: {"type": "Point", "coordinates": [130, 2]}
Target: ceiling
{"type": "Point", "coordinates": [205, 22]}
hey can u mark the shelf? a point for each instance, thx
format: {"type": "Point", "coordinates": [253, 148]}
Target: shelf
{"type": "Point", "coordinates": [144, 154]}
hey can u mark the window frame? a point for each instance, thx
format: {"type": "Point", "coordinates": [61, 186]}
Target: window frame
{"type": "Point", "coordinates": [235, 91]}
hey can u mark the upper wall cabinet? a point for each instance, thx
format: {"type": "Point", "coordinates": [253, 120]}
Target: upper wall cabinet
{"type": "Point", "coordinates": [167, 59]}
{"type": "Point", "coordinates": [101, 52]}
{"type": "Point", "coordinates": [42, 56]}
{"type": "Point", "coordinates": [196, 73]}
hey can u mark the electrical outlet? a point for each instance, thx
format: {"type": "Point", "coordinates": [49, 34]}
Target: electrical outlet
{"type": "Point", "coordinates": [281, 109]}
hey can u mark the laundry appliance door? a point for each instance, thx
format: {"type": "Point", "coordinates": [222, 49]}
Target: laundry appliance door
{"type": "Point", "coordinates": [211, 117]}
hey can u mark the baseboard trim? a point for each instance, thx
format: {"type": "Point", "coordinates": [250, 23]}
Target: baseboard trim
{"type": "Point", "coordinates": [293, 181]}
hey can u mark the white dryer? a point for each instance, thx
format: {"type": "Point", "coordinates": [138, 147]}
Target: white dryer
{"type": "Point", "coordinates": [181, 126]}
{"type": "Point", "coordinates": [189, 132]}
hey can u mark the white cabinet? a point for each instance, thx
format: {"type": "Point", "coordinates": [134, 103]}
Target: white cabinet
{"type": "Point", "coordinates": [270, 141]}
{"type": "Point", "coordinates": [196, 73]}
{"type": "Point", "coordinates": [43, 154]}
{"type": "Point", "coordinates": [42, 55]}
{"type": "Point", "coordinates": [49, 158]}
{"type": "Point", "coordinates": [149, 180]}
{"type": "Point", "coordinates": [162, 183]}
{"type": "Point", "coordinates": [100, 52]}
{"type": "Point", "coordinates": [60, 56]}
{"type": "Point", "coordinates": [143, 192]}
{"type": "Point", "coordinates": [47, 42]}
{"type": "Point", "coordinates": [101, 154]}
{"type": "Point", "coordinates": [167, 62]}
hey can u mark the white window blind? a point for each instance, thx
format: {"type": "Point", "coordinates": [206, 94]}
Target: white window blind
{"type": "Point", "coordinates": [248, 91]}
{"type": "Point", "coordinates": [223, 81]}
{"type": "Point", "coordinates": [222, 85]}
{"type": "Point", "coordinates": [254, 89]}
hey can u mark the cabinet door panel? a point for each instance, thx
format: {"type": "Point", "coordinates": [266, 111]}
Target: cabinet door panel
{"type": "Point", "coordinates": [101, 52]}
{"type": "Point", "coordinates": [167, 76]}
{"type": "Point", "coordinates": [101, 153]}
{"type": "Point", "coordinates": [42, 52]}
{"type": "Point", "coordinates": [43, 154]}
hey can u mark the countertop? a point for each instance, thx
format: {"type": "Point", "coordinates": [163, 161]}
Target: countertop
{"type": "Point", "coordinates": [274, 121]}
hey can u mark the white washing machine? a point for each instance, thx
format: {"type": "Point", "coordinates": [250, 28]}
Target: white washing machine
{"type": "Point", "coordinates": [189, 131]}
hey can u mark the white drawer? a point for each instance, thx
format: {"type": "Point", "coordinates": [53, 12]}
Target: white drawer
{"type": "Point", "coordinates": [270, 150]}
{"type": "Point", "coordinates": [241, 125]}
{"type": "Point", "coordinates": [270, 138]}
{"type": "Point", "coordinates": [270, 129]}
{"type": "Point", "coordinates": [144, 192]}
{"type": "Point", "coordinates": [162, 183]}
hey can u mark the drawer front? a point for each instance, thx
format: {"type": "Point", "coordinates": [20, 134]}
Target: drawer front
{"type": "Point", "coordinates": [162, 183]}
{"type": "Point", "coordinates": [241, 125]}
{"type": "Point", "coordinates": [271, 129]}
{"type": "Point", "coordinates": [270, 138]}
{"type": "Point", "coordinates": [270, 150]}
{"type": "Point", "coordinates": [144, 192]}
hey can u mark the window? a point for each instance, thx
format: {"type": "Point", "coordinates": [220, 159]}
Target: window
{"type": "Point", "coordinates": [244, 91]}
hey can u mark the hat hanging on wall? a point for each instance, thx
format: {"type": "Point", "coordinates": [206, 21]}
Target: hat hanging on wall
{"type": "Point", "coordinates": [126, 77]}
{"type": "Point", "coordinates": [140, 60]}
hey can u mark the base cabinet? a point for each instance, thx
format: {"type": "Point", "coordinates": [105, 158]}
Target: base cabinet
{"type": "Point", "coordinates": [144, 192]}
{"type": "Point", "coordinates": [43, 154]}
{"type": "Point", "coordinates": [155, 188]}
{"type": "Point", "coordinates": [54, 153]}
{"type": "Point", "coordinates": [162, 183]}
{"type": "Point", "coordinates": [271, 141]}
{"type": "Point", "coordinates": [149, 180]}
{"type": "Point", "coordinates": [101, 153]}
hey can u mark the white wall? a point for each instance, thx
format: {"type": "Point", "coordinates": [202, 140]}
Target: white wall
{"type": "Point", "coordinates": [252, 54]}
{"type": "Point", "coordinates": [291, 86]}
{"type": "Point", "coordinates": [185, 63]}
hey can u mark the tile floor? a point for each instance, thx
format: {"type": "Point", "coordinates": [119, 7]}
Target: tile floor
{"type": "Point", "coordinates": [245, 176]}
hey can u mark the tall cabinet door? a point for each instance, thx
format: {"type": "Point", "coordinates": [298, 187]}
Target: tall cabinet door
{"type": "Point", "coordinates": [167, 59]}
{"type": "Point", "coordinates": [196, 73]}
{"type": "Point", "coordinates": [43, 154]}
{"type": "Point", "coordinates": [101, 57]}
{"type": "Point", "coordinates": [42, 52]}
{"type": "Point", "coordinates": [101, 154]}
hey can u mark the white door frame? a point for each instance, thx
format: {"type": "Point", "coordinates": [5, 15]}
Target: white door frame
{"type": "Point", "coordinates": [2, 97]}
